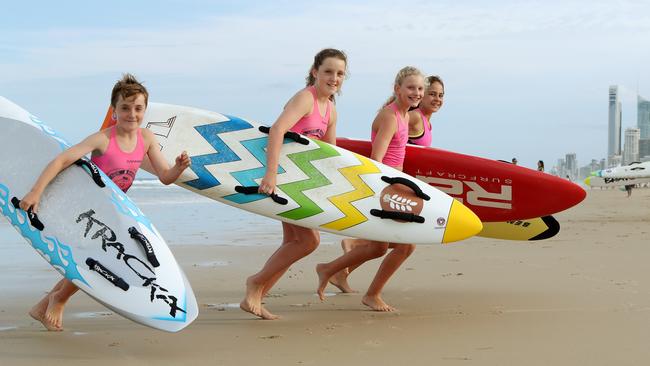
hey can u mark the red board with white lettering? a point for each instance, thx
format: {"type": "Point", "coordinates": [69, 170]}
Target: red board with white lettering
{"type": "Point", "coordinates": [494, 190]}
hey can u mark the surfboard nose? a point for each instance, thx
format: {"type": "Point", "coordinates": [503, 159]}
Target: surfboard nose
{"type": "Point", "coordinates": [462, 223]}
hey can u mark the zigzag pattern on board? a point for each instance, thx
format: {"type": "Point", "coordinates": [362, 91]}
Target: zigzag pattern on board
{"type": "Point", "coordinates": [316, 179]}
{"type": "Point", "coordinates": [223, 154]}
{"type": "Point", "coordinates": [361, 190]}
{"type": "Point", "coordinates": [248, 177]}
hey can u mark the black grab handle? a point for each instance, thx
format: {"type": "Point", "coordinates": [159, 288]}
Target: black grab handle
{"type": "Point", "coordinates": [94, 171]}
{"type": "Point", "coordinates": [146, 245]}
{"type": "Point", "coordinates": [409, 217]}
{"type": "Point", "coordinates": [289, 134]}
{"type": "Point", "coordinates": [107, 274]}
{"type": "Point", "coordinates": [255, 190]}
{"type": "Point", "coordinates": [33, 218]}
{"type": "Point", "coordinates": [408, 183]}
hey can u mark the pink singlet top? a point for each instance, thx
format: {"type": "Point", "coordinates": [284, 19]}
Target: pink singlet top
{"type": "Point", "coordinates": [120, 166]}
{"type": "Point", "coordinates": [426, 137]}
{"type": "Point", "coordinates": [313, 125]}
{"type": "Point", "coordinates": [397, 147]}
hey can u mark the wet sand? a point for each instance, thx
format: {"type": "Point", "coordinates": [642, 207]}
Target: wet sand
{"type": "Point", "coordinates": [581, 298]}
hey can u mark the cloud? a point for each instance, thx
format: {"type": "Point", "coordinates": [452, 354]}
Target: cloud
{"type": "Point", "coordinates": [504, 62]}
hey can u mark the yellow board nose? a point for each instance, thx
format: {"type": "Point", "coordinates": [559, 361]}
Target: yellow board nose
{"type": "Point", "coordinates": [461, 224]}
{"type": "Point", "coordinates": [588, 181]}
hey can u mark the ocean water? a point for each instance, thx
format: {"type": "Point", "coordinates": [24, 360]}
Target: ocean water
{"type": "Point", "coordinates": [184, 217]}
{"type": "Point", "coordinates": [181, 216]}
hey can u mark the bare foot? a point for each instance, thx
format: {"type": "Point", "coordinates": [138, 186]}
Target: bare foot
{"type": "Point", "coordinates": [252, 303]}
{"type": "Point", "coordinates": [266, 315]}
{"type": "Point", "coordinates": [376, 303]}
{"type": "Point", "coordinates": [38, 313]}
{"type": "Point", "coordinates": [340, 280]}
{"type": "Point", "coordinates": [323, 278]}
{"type": "Point", "coordinates": [54, 312]}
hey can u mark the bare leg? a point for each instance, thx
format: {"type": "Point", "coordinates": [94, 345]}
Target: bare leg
{"type": "Point", "coordinates": [298, 243]}
{"type": "Point", "coordinates": [358, 255]}
{"type": "Point", "coordinates": [388, 266]}
{"type": "Point", "coordinates": [351, 245]}
{"type": "Point", "coordinates": [340, 278]}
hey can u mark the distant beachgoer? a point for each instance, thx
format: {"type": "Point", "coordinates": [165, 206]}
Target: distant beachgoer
{"type": "Point", "coordinates": [310, 111]}
{"type": "Point", "coordinates": [514, 161]}
{"type": "Point", "coordinates": [628, 189]}
{"type": "Point", "coordinates": [109, 152]}
{"type": "Point", "coordinates": [389, 137]}
{"type": "Point", "coordinates": [540, 165]}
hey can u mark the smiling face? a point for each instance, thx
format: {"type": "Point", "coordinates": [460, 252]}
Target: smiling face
{"type": "Point", "coordinates": [410, 91]}
{"type": "Point", "coordinates": [433, 98]}
{"type": "Point", "coordinates": [129, 112]}
{"type": "Point", "coordinates": [329, 76]}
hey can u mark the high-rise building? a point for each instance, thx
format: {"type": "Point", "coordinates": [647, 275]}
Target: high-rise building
{"type": "Point", "coordinates": [614, 160]}
{"type": "Point", "coordinates": [643, 116]}
{"type": "Point", "coordinates": [614, 130]}
{"type": "Point", "coordinates": [631, 151]}
{"type": "Point", "coordinates": [644, 148]}
{"type": "Point", "coordinates": [571, 166]}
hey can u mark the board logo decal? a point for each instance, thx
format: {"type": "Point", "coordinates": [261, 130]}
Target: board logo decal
{"type": "Point", "coordinates": [136, 265]}
{"type": "Point", "coordinates": [400, 198]}
{"type": "Point", "coordinates": [474, 194]}
{"type": "Point", "coordinates": [162, 129]}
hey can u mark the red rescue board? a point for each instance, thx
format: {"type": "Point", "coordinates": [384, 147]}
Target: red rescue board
{"type": "Point", "coordinates": [494, 190]}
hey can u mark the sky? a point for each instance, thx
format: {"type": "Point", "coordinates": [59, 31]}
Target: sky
{"type": "Point", "coordinates": [525, 79]}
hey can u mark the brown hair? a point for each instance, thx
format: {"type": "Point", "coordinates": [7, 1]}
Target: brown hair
{"type": "Point", "coordinates": [318, 61]}
{"type": "Point", "coordinates": [399, 79]}
{"type": "Point", "coordinates": [127, 87]}
{"type": "Point", "coordinates": [430, 80]}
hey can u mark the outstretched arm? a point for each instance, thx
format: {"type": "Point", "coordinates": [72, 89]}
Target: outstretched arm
{"type": "Point", "coordinates": [62, 161]}
{"type": "Point", "coordinates": [166, 175]}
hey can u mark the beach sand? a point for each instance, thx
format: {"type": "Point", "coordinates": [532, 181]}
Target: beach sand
{"type": "Point", "coordinates": [581, 298]}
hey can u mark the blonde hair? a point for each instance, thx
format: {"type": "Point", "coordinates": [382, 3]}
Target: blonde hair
{"type": "Point", "coordinates": [399, 79]}
{"type": "Point", "coordinates": [318, 61]}
{"type": "Point", "coordinates": [127, 87]}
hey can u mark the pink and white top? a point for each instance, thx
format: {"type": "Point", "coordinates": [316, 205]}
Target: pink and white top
{"type": "Point", "coordinates": [120, 166]}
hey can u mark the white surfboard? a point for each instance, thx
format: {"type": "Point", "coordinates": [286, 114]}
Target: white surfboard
{"type": "Point", "coordinates": [595, 181]}
{"type": "Point", "coordinates": [92, 235]}
{"type": "Point", "coordinates": [318, 185]}
{"type": "Point", "coordinates": [634, 170]}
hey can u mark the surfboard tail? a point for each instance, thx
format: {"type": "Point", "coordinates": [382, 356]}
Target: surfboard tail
{"type": "Point", "coordinates": [109, 121]}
